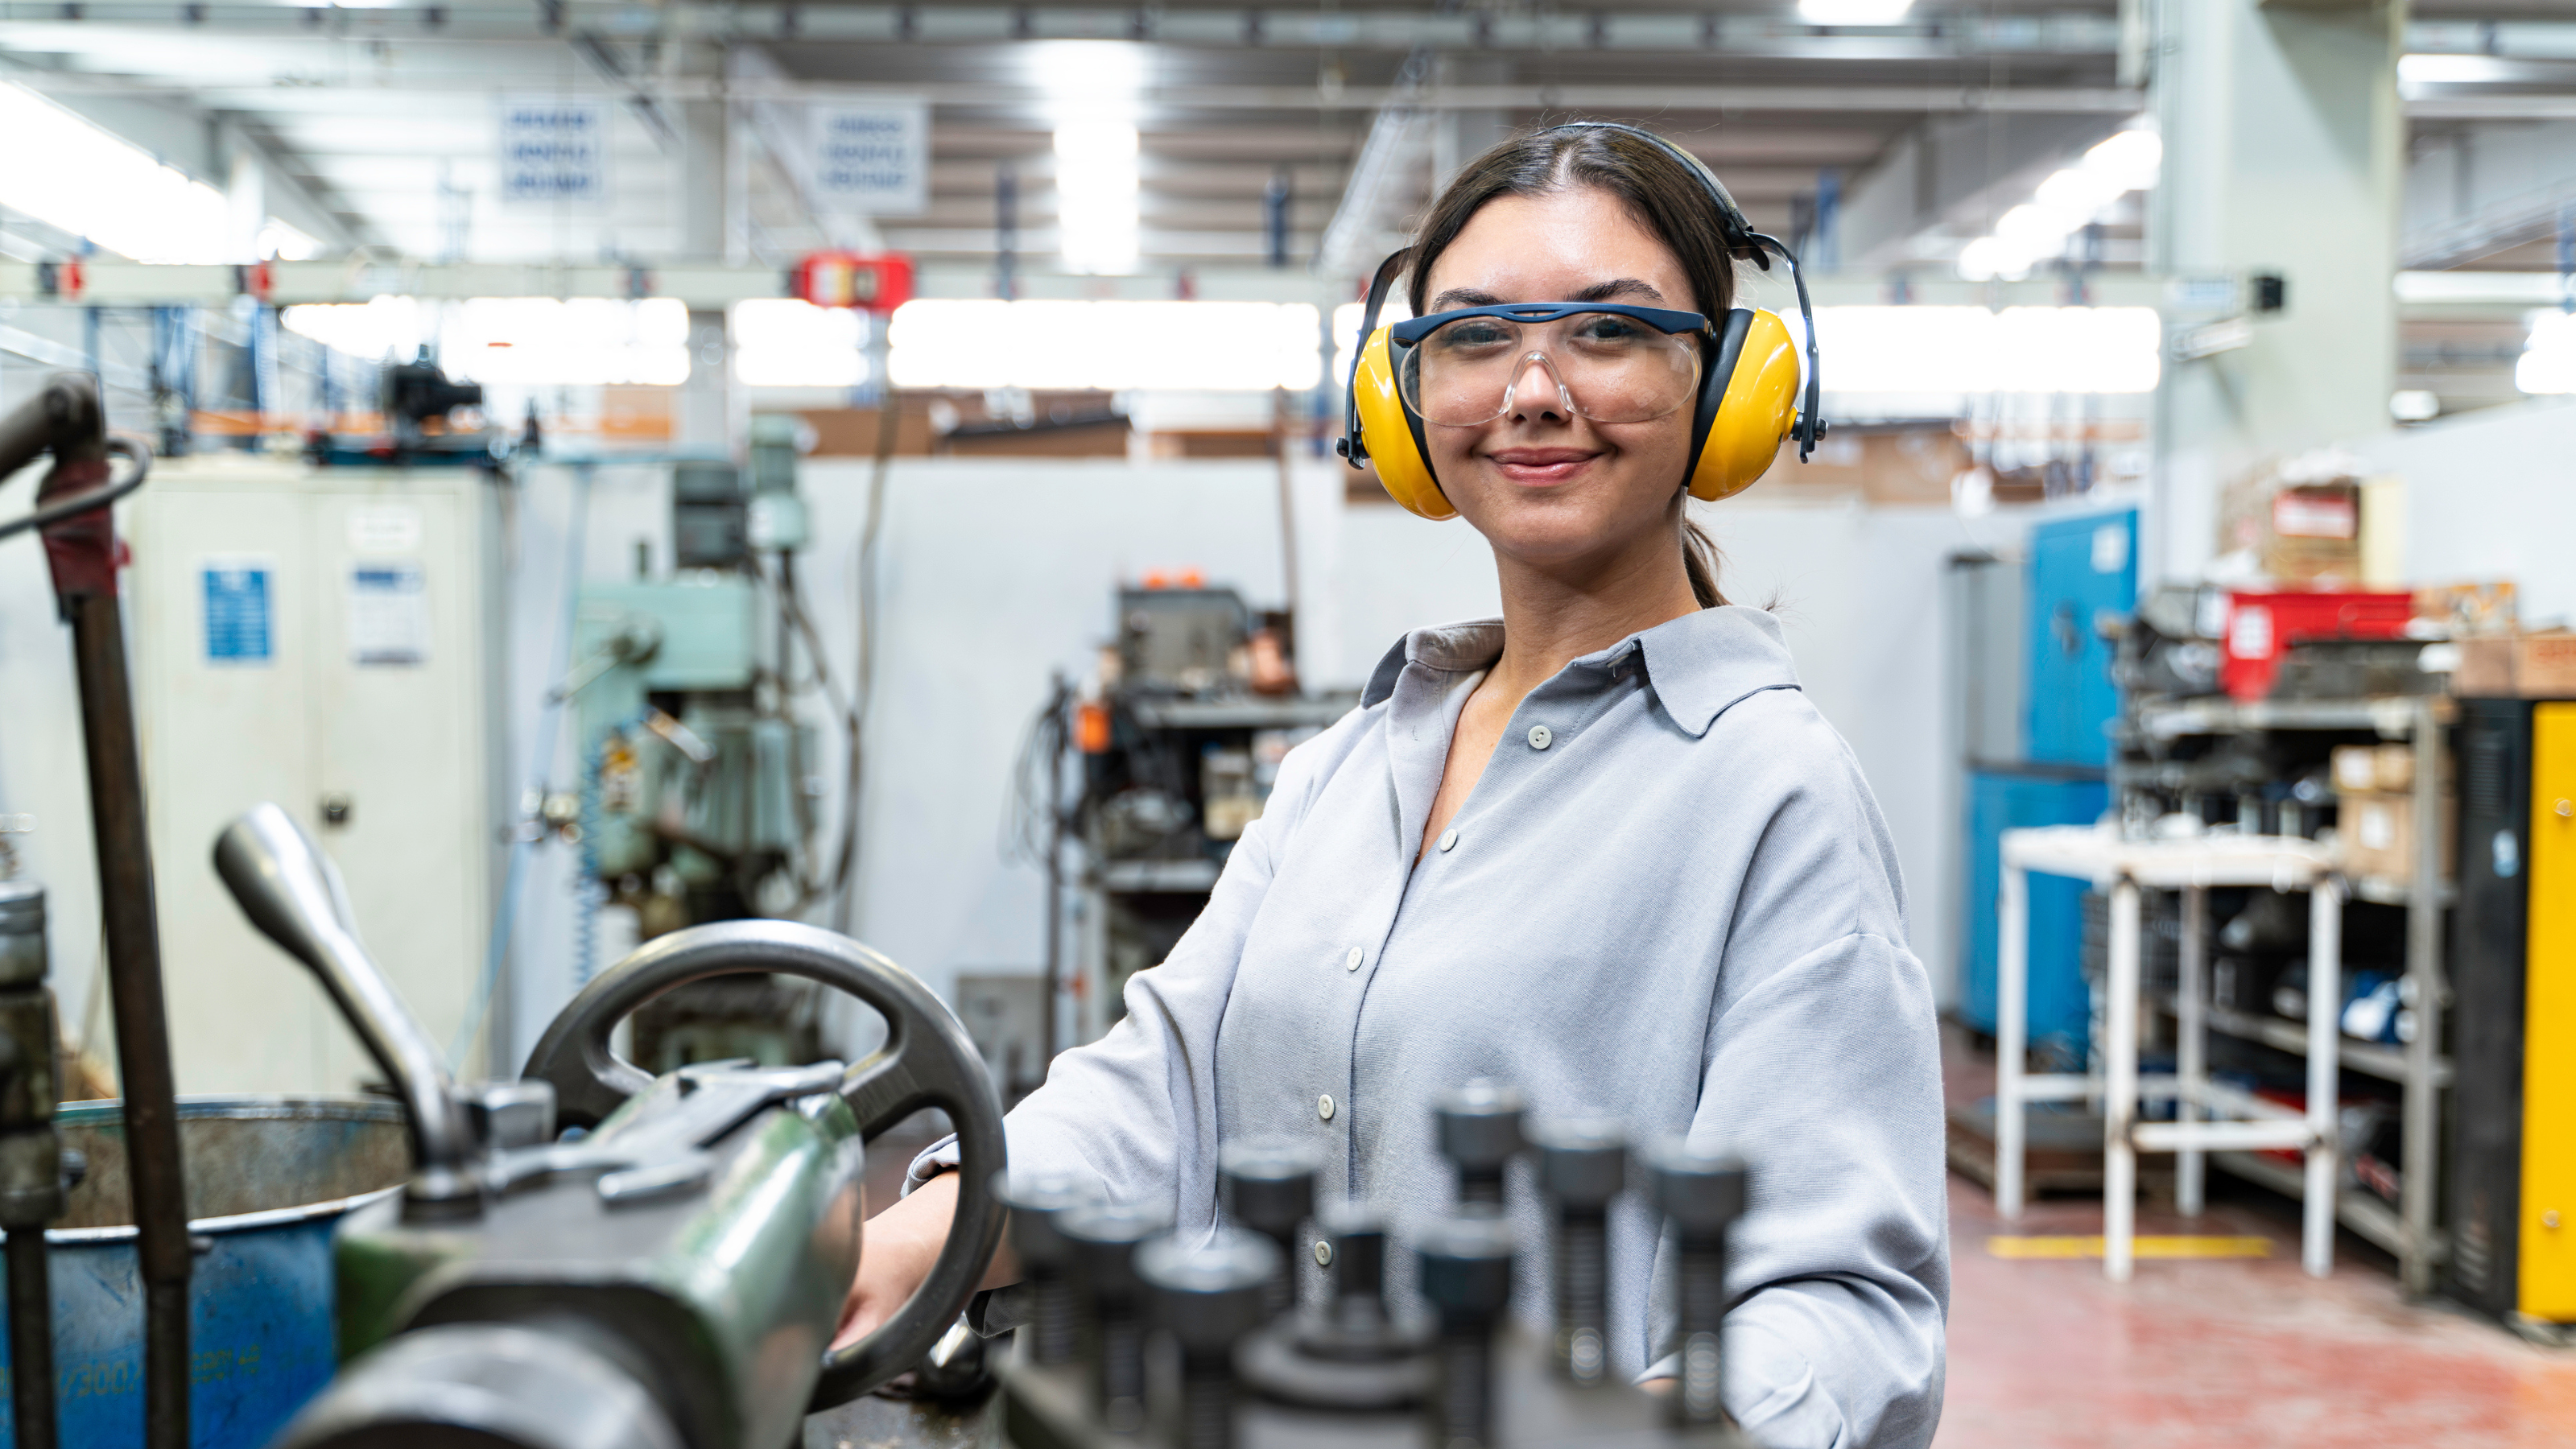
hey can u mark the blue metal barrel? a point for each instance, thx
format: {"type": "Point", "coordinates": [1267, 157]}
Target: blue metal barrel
{"type": "Point", "coordinates": [269, 1179]}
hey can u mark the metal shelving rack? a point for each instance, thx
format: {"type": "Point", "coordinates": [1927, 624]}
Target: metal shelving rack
{"type": "Point", "coordinates": [2410, 1232]}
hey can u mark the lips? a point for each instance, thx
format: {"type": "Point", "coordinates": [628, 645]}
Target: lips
{"type": "Point", "coordinates": [1540, 467]}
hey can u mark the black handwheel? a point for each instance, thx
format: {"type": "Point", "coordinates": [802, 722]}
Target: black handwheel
{"type": "Point", "coordinates": [927, 1061]}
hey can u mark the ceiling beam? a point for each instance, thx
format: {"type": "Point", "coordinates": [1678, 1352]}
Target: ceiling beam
{"type": "Point", "coordinates": [1660, 99]}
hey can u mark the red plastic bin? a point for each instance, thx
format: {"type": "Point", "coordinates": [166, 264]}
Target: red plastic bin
{"type": "Point", "coordinates": [2262, 627]}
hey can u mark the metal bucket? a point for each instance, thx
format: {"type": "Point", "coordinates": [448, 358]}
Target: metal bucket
{"type": "Point", "coordinates": [268, 1180]}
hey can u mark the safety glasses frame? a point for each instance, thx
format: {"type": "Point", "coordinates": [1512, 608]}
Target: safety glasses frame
{"type": "Point", "coordinates": [1669, 321]}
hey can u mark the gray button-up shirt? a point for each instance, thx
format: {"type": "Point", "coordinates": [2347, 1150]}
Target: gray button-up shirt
{"type": "Point", "coordinates": [1671, 899]}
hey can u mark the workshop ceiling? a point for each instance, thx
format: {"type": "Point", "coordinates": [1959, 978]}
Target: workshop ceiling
{"type": "Point", "coordinates": [379, 122]}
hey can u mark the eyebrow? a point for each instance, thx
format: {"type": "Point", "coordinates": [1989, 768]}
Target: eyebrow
{"type": "Point", "coordinates": [1457, 297]}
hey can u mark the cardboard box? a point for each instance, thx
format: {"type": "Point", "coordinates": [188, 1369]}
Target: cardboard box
{"type": "Point", "coordinates": [2359, 769]}
{"type": "Point", "coordinates": [2517, 666]}
{"type": "Point", "coordinates": [2375, 833]}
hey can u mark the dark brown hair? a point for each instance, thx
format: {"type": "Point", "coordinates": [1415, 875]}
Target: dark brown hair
{"type": "Point", "coordinates": [1658, 189]}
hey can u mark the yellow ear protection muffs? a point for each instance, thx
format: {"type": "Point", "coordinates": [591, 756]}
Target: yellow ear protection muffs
{"type": "Point", "coordinates": [1750, 398]}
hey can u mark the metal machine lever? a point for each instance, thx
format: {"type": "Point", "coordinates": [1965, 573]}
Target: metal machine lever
{"type": "Point", "coordinates": [293, 893]}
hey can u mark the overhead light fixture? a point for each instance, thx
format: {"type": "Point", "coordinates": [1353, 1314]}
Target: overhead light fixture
{"type": "Point", "coordinates": [1853, 12]}
{"type": "Point", "coordinates": [2064, 204]}
{"type": "Point", "coordinates": [783, 342]}
{"type": "Point", "coordinates": [2435, 69]}
{"type": "Point", "coordinates": [1095, 187]}
{"type": "Point", "coordinates": [79, 178]}
{"type": "Point", "coordinates": [2548, 362]}
{"type": "Point", "coordinates": [1114, 345]}
{"type": "Point", "coordinates": [515, 341]}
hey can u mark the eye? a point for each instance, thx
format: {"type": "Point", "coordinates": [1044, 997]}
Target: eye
{"type": "Point", "coordinates": [1472, 334]}
{"type": "Point", "coordinates": [1609, 327]}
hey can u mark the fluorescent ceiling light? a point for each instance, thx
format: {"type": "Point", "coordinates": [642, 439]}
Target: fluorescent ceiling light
{"type": "Point", "coordinates": [72, 175]}
{"type": "Point", "coordinates": [1853, 12]}
{"type": "Point", "coordinates": [1180, 346]}
{"type": "Point", "coordinates": [787, 343]}
{"type": "Point", "coordinates": [2549, 363]}
{"type": "Point", "coordinates": [1954, 350]}
{"type": "Point", "coordinates": [2064, 204]}
{"type": "Point", "coordinates": [528, 341]}
{"type": "Point", "coordinates": [2452, 70]}
{"type": "Point", "coordinates": [1095, 185]}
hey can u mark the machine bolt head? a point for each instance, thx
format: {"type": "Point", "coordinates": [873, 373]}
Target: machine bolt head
{"type": "Point", "coordinates": [1479, 1124]}
{"type": "Point", "coordinates": [1582, 1161]}
{"type": "Point", "coordinates": [1268, 1184]}
{"type": "Point", "coordinates": [1035, 1199]}
{"type": "Point", "coordinates": [1466, 1267]}
{"type": "Point", "coordinates": [1208, 1295]}
{"type": "Point", "coordinates": [1103, 1238]}
{"type": "Point", "coordinates": [1701, 1189]}
{"type": "Point", "coordinates": [1355, 1238]}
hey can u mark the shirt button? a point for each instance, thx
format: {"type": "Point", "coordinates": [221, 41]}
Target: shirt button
{"type": "Point", "coordinates": [1449, 840]}
{"type": "Point", "coordinates": [1352, 962]}
{"type": "Point", "coordinates": [1540, 738]}
{"type": "Point", "coordinates": [1324, 1106]}
{"type": "Point", "coordinates": [1323, 1254]}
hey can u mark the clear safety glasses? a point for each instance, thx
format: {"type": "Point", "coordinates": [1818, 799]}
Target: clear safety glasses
{"type": "Point", "coordinates": [1609, 362]}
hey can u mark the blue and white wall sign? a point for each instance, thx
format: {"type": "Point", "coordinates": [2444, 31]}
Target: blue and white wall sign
{"type": "Point", "coordinates": [240, 606]}
{"type": "Point", "coordinates": [554, 150]}
{"type": "Point", "coordinates": [872, 157]}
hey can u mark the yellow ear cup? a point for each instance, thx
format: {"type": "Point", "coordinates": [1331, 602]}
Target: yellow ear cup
{"type": "Point", "coordinates": [1389, 433]}
{"type": "Point", "coordinates": [1760, 406]}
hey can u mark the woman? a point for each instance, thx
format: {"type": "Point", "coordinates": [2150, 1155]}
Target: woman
{"type": "Point", "coordinates": [1601, 849]}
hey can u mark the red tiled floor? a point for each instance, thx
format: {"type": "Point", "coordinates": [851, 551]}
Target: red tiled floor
{"type": "Point", "coordinates": [2228, 1354]}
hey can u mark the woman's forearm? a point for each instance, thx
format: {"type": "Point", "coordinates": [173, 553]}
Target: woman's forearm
{"type": "Point", "coordinates": [897, 1251]}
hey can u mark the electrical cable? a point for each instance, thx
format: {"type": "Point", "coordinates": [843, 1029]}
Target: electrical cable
{"type": "Point", "coordinates": [863, 684]}
{"type": "Point", "coordinates": [98, 497]}
{"type": "Point", "coordinates": [541, 760]}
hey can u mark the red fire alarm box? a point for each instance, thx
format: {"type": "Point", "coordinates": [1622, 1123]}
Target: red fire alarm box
{"type": "Point", "coordinates": [847, 279]}
{"type": "Point", "coordinates": [2262, 627]}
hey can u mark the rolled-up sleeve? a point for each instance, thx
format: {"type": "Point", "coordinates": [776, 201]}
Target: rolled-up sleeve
{"type": "Point", "coordinates": [1825, 1077]}
{"type": "Point", "coordinates": [1136, 1110]}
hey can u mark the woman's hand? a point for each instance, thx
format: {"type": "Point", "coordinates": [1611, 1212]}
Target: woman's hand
{"type": "Point", "coordinates": [896, 1253]}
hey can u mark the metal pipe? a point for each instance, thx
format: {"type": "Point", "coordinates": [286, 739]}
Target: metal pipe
{"type": "Point", "coordinates": [81, 550]}
{"type": "Point", "coordinates": [31, 1339]}
{"type": "Point", "coordinates": [134, 985]}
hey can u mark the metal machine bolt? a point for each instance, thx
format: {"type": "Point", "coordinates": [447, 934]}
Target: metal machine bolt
{"type": "Point", "coordinates": [1035, 1200]}
{"type": "Point", "coordinates": [1358, 1239]}
{"type": "Point", "coordinates": [1467, 1278]}
{"type": "Point", "coordinates": [1479, 1128]}
{"type": "Point", "coordinates": [1104, 1238]}
{"type": "Point", "coordinates": [1701, 1193]}
{"type": "Point", "coordinates": [1208, 1297]}
{"type": "Point", "coordinates": [1582, 1164]}
{"type": "Point", "coordinates": [1268, 1186]}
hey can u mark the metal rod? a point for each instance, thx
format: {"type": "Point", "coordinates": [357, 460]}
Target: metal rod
{"type": "Point", "coordinates": [2012, 1031]}
{"type": "Point", "coordinates": [2191, 1030]}
{"type": "Point", "coordinates": [142, 1017]}
{"type": "Point", "coordinates": [2427, 989]}
{"type": "Point", "coordinates": [31, 1339]}
{"type": "Point", "coordinates": [2120, 1088]}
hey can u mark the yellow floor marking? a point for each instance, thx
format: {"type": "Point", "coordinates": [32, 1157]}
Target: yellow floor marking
{"type": "Point", "coordinates": [2143, 1246]}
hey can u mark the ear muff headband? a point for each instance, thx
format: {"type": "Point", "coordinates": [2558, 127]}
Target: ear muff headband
{"type": "Point", "coordinates": [1750, 397]}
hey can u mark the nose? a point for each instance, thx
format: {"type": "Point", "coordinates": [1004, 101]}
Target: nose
{"type": "Point", "coordinates": [1537, 398]}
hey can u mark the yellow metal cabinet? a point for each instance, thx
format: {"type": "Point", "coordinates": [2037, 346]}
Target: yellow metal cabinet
{"type": "Point", "coordinates": [2549, 1044]}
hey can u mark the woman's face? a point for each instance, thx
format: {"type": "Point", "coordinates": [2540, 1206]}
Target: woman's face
{"type": "Point", "coordinates": [1544, 485]}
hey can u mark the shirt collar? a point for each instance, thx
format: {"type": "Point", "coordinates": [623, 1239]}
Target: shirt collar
{"type": "Point", "coordinates": [1697, 665]}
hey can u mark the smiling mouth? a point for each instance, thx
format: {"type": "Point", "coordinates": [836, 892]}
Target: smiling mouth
{"type": "Point", "coordinates": [1540, 465]}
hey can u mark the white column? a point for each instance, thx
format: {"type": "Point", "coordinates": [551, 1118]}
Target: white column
{"type": "Point", "coordinates": [2325, 1088]}
{"type": "Point", "coordinates": [706, 416]}
{"type": "Point", "coordinates": [2284, 153]}
{"type": "Point", "coordinates": [245, 205]}
{"type": "Point", "coordinates": [2012, 1032]}
{"type": "Point", "coordinates": [2120, 1087]}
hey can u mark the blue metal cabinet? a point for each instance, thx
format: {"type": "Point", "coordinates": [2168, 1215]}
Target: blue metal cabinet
{"type": "Point", "coordinates": [2001, 799]}
{"type": "Point", "coordinates": [2079, 568]}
